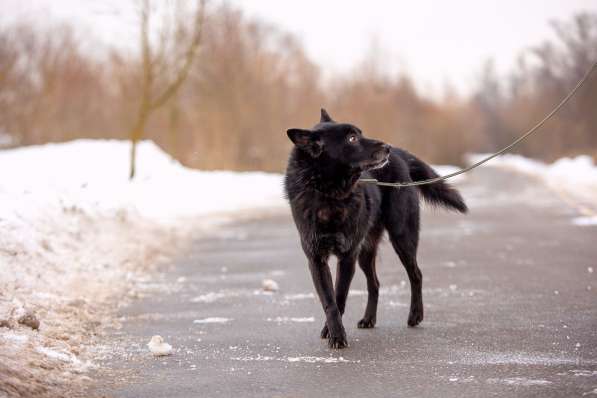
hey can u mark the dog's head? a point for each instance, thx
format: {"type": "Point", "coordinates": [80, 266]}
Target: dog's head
{"type": "Point", "coordinates": [340, 144]}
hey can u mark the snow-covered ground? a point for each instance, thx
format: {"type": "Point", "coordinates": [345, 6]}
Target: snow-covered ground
{"type": "Point", "coordinates": [77, 238]}
{"type": "Point", "coordinates": [574, 178]}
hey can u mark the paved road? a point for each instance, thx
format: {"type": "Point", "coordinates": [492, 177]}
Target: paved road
{"type": "Point", "coordinates": [510, 306]}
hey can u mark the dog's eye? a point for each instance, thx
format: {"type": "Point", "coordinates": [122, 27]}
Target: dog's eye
{"type": "Point", "coordinates": [352, 138]}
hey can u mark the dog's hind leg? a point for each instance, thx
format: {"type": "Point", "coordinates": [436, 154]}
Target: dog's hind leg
{"type": "Point", "coordinates": [403, 230]}
{"type": "Point", "coordinates": [344, 275]}
{"type": "Point", "coordinates": [367, 263]}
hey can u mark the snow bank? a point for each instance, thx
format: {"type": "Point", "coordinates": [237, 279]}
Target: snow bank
{"type": "Point", "coordinates": [93, 175]}
{"type": "Point", "coordinates": [574, 177]}
{"type": "Point", "coordinates": [78, 238]}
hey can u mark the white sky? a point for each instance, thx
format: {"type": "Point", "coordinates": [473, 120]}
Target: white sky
{"type": "Point", "coordinates": [435, 41]}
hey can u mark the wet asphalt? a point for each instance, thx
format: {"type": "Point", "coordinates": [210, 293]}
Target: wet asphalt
{"type": "Point", "coordinates": [510, 310]}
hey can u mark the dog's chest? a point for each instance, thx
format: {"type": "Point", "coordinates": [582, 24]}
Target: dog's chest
{"type": "Point", "coordinates": [334, 224]}
{"type": "Point", "coordinates": [330, 214]}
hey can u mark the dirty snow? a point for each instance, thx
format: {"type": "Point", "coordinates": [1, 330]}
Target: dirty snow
{"type": "Point", "coordinates": [78, 240]}
{"type": "Point", "coordinates": [574, 178]}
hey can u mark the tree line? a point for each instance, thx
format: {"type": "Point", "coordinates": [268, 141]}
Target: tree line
{"type": "Point", "coordinates": [249, 81]}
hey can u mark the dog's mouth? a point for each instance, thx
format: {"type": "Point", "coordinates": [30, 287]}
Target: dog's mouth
{"type": "Point", "coordinates": [379, 160]}
{"type": "Point", "coordinates": [380, 165]}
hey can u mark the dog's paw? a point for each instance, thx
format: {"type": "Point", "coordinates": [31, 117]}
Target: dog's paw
{"type": "Point", "coordinates": [366, 323]}
{"type": "Point", "coordinates": [415, 317]}
{"type": "Point", "coordinates": [325, 333]}
{"type": "Point", "coordinates": [337, 342]}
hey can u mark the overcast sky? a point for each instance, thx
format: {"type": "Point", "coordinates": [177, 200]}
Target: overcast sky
{"type": "Point", "coordinates": [435, 41]}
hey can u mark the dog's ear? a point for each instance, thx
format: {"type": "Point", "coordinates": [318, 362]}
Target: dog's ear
{"type": "Point", "coordinates": [305, 140]}
{"type": "Point", "coordinates": [325, 117]}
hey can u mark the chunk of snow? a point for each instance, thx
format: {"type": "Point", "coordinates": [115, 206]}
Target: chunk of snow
{"type": "Point", "coordinates": [270, 285]}
{"type": "Point", "coordinates": [159, 347]}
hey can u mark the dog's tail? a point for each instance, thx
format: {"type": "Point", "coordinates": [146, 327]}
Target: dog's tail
{"type": "Point", "coordinates": [439, 193]}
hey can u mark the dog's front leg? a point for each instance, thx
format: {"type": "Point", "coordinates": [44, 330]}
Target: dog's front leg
{"type": "Point", "coordinates": [322, 279]}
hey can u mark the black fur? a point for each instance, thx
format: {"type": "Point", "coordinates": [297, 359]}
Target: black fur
{"type": "Point", "coordinates": [337, 215]}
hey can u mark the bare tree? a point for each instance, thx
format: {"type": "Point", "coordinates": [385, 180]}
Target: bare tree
{"type": "Point", "coordinates": [154, 65]}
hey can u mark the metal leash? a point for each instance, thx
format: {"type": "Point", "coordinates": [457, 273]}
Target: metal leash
{"type": "Point", "coordinates": [580, 83]}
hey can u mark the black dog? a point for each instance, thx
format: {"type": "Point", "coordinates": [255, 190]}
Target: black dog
{"type": "Point", "coordinates": [337, 215]}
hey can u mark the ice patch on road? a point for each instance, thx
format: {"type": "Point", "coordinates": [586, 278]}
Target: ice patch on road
{"type": "Point", "coordinates": [213, 320]}
{"type": "Point", "coordinates": [299, 359]}
{"type": "Point", "coordinates": [393, 303]}
{"type": "Point", "coordinates": [355, 292]}
{"type": "Point", "coordinates": [310, 359]}
{"type": "Point", "coordinates": [285, 319]}
{"type": "Point", "coordinates": [519, 358]}
{"type": "Point", "coordinates": [580, 372]}
{"type": "Point", "coordinates": [585, 221]}
{"type": "Point", "coordinates": [212, 296]}
{"type": "Point", "coordinates": [519, 381]}
{"type": "Point", "coordinates": [467, 379]}
{"type": "Point", "coordinates": [257, 358]}
{"type": "Point", "coordinates": [299, 296]}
